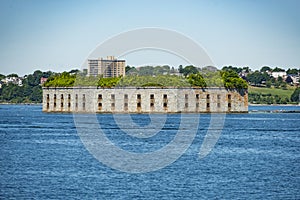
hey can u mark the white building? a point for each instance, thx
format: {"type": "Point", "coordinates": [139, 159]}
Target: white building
{"type": "Point", "coordinates": [14, 80]}
{"type": "Point", "coordinates": [110, 67]}
{"type": "Point", "coordinates": [279, 74]}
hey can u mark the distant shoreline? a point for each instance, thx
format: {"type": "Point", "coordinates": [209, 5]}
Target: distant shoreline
{"type": "Point", "coordinates": [7, 103]}
{"type": "Point", "coordinates": [273, 104]}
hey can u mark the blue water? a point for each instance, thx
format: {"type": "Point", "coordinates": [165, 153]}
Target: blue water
{"type": "Point", "coordinates": [256, 157]}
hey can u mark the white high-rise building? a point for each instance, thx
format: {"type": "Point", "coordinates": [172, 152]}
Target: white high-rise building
{"type": "Point", "coordinates": [109, 67]}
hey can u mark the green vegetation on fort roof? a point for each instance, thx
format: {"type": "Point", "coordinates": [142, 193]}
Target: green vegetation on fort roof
{"type": "Point", "coordinates": [227, 79]}
{"type": "Point", "coordinates": [66, 79]}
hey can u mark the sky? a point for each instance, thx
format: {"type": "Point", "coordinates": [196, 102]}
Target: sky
{"type": "Point", "coordinates": [60, 35]}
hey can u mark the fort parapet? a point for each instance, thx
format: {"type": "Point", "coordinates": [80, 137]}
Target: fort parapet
{"type": "Point", "coordinates": [144, 100]}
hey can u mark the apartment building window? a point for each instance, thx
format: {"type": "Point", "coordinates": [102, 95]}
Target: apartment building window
{"type": "Point", "coordinates": [48, 97]}
{"type": "Point", "coordinates": [138, 96]}
{"type": "Point", "coordinates": [165, 105]}
{"type": "Point", "coordinates": [151, 96]}
{"type": "Point", "coordinates": [197, 96]}
{"type": "Point", "coordinates": [83, 97]}
{"type": "Point", "coordinates": [207, 96]}
{"type": "Point", "coordinates": [48, 105]}
{"type": "Point", "coordinates": [218, 96]}
{"type": "Point", "coordinates": [112, 96]}
{"type": "Point", "coordinates": [99, 96]}
{"type": "Point", "coordinates": [165, 96]}
{"type": "Point", "coordinates": [54, 96]}
{"type": "Point", "coordinates": [151, 105]}
{"type": "Point", "coordinates": [207, 105]}
{"type": "Point", "coordinates": [197, 105]}
{"type": "Point", "coordinates": [229, 105]}
{"type": "Point", "coordinates": [125, 96]}
{"type": "Point", "coordinates": [186, 105]}
{"type": "Point", "coordinates": [229, 97]}
{"type": "Point", "coordinates": [69, 96]}
{"type": "Point", "coordinates": [61, 96]}
{"type": "Point", "coordinates": [186, 96]}
{"type": "Point", "coordinates": [138, 105]}
{"type": "Point", "coordinates": [83, 105]}
{"type": "Point", "coordinates": [69, 105]}
{"type": "Point", "coordinates": [219, 105]}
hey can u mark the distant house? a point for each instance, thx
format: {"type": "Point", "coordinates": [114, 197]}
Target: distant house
{"type": "Point", "coordinates": [176, 73]}
{"type": "Point", "coordinates": [279, 74]}
{"type": "Point", "coordinates": [295, 78]}
{"type": "Point", "coordinates": [14, 80]}
{"type": "Point", "coordinates": [43, 80]}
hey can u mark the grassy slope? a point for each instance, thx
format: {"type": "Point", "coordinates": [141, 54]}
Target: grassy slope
{"type": "Point", "coordinates": [273, 91]}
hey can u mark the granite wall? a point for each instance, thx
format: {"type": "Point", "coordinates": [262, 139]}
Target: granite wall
{"type": "Point", "coordinates": [144, 100]}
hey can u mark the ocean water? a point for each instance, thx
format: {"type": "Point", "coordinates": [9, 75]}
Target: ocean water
{"type": "Point", "coordinates": [256, 157]}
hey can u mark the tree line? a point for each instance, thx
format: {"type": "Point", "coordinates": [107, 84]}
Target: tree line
{"type": "Point", "coordinates": [29, 92]}
{"type": "Point", "coordinates": [154, 76]}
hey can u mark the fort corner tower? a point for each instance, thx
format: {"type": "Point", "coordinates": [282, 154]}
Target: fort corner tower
{"type": "Point", "coordinates": [109, 67]}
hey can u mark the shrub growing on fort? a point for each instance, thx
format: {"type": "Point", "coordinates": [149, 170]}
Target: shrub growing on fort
{"type": "Point", "coordinates": [154, 81]}
{"type": "Point", "coordinates": [108, 82]}
{"type": "Point", "coordinates": [60, 80]}
{"type": "Point", "coordinates": [197, 80]}
{"type": "Point", "coordinates": [232, 80]}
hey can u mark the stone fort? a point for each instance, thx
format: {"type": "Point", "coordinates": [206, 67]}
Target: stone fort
{"type": "Point", "coordinates": [144, 100]}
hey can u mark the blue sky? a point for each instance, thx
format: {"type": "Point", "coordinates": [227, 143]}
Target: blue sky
{"type": "Point", "coordinates": [59, 35]}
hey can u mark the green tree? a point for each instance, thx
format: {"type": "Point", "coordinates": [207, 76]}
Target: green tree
{"type": "Point", "coordinates": [12, 75]}
{"type": "Point", "coordinates": [283, 86]}
{"type": "Point", "coordinates": [180, 69]}
{"type": "Point", "coordinates": [74, 71]}
{"type": "Point", "coordinates": [256, 78]}
{"type": "Point", "coordinates": [230, 68]}
{"type": "Point", "coordinates": [108, 82]}
{"type": "Point", "coordinates": [265, 69]}
{"type": "Point", "coordinates": [277, 69]}
{"type": "Point", "coordinates": [2, 76]}
{"type": "Point", "coordinates": [232, 80]}
{"type": "Point", "coordinates": [127, 68]}
{"type": "Point", "coordinates": [246, 69]}
{"type": "Point", "coordinates": [293, 71]}
{"type": "Point", "coordinates": [47, 74]}
{"type": "Point", "coordinates": [190, 69]}
{"type": "Point", "coordinates": [295, 95]}
{"type": "Point", "coordinates": [36, 94]}
{"type": "Point", "coordinates": [268, 84]}
{"type": "Point", "coordinates": [196, 80]}
{"type": "Point", "coordinates": [60, 80]}
{"type": "Point", "coordinates": [280, 80]}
